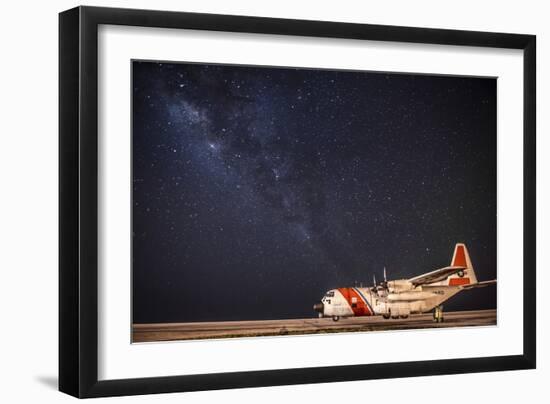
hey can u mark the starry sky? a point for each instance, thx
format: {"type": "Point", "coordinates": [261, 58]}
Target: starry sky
{"type": "Point", "coordinates": [256, 189]}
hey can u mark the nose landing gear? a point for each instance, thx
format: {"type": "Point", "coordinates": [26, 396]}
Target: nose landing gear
{"type": "Point", "coordinates": [335, 318]}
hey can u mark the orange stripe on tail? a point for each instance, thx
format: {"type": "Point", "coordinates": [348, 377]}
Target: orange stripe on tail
{"type": "Point", "coordinates": [460, 257]}
{"type": "Point", "coordinates": [459, 281]}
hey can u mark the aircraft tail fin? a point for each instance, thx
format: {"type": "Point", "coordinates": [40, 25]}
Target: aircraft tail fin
{"type": "Point", "coordinates": [461, 258]}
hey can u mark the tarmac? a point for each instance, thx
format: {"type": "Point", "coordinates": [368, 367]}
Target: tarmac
{"type": "Point", "coordinates": [235, 329]}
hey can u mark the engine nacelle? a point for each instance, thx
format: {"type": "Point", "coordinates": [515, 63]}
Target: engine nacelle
{"type": "Point", "coordinates": [400, 285]}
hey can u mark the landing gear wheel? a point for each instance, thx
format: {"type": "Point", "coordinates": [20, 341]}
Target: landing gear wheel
{"type": "Point", "coordinates": [386, 316]}
{"type": "Point", "coordinates": [395, 317]}
{"type": "Point", "coordinates": [335, 318]}
{"type": "Point", "coordinates": [438, 314]}
{"type": "Point", "coordinates": [404, 316]}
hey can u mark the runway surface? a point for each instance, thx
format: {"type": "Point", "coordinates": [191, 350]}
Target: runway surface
{"type": "Point", "coordinates": [232, 329]}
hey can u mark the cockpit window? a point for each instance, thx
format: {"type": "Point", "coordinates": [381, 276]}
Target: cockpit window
{"type": "Point", "coordinates": [330, 294]}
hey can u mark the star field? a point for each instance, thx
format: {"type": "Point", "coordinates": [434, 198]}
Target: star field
{"type": "Point", "coordinates": [256, 189]}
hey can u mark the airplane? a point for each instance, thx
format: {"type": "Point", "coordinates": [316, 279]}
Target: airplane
{"type": "Point", "coordinates": [402, 297]}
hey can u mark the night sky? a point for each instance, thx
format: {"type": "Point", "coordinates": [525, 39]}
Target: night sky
{"type": "Point", "coordinates": [256, 189]}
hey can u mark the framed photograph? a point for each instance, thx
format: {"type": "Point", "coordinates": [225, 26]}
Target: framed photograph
{"type": "Point", "coordinates": [251, 201]}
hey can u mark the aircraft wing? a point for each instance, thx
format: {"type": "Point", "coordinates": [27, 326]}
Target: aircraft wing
{"type": "Point", "coordinates": [479, 284]}
{"type": "Point", "coordinates": [435, 276]}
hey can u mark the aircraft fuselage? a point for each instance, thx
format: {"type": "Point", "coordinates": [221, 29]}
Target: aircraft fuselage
{"type": "Point", "coordinates": [360, 301]}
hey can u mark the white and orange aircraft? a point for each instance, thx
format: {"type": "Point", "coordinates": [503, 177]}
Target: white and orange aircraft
{"type": "Point", "coordinates": [402, 297]}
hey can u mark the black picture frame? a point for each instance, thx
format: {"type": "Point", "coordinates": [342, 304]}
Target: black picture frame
{"type": "Point", "coordinates": [78, 201]}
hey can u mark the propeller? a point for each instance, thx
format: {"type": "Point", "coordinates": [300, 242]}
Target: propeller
{"type": "Point", "coordinates": [384, 285]}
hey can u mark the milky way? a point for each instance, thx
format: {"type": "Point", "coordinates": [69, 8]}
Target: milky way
{"type": "Point", "coordinates": [255, 189]}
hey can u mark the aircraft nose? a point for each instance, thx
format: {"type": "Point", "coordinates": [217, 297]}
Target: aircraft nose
{"type": "Point", "coordinates": [319, 307]}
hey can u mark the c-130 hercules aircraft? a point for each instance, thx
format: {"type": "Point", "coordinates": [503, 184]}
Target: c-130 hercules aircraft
{"type": "Point", "coordinates": [402, 297]}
